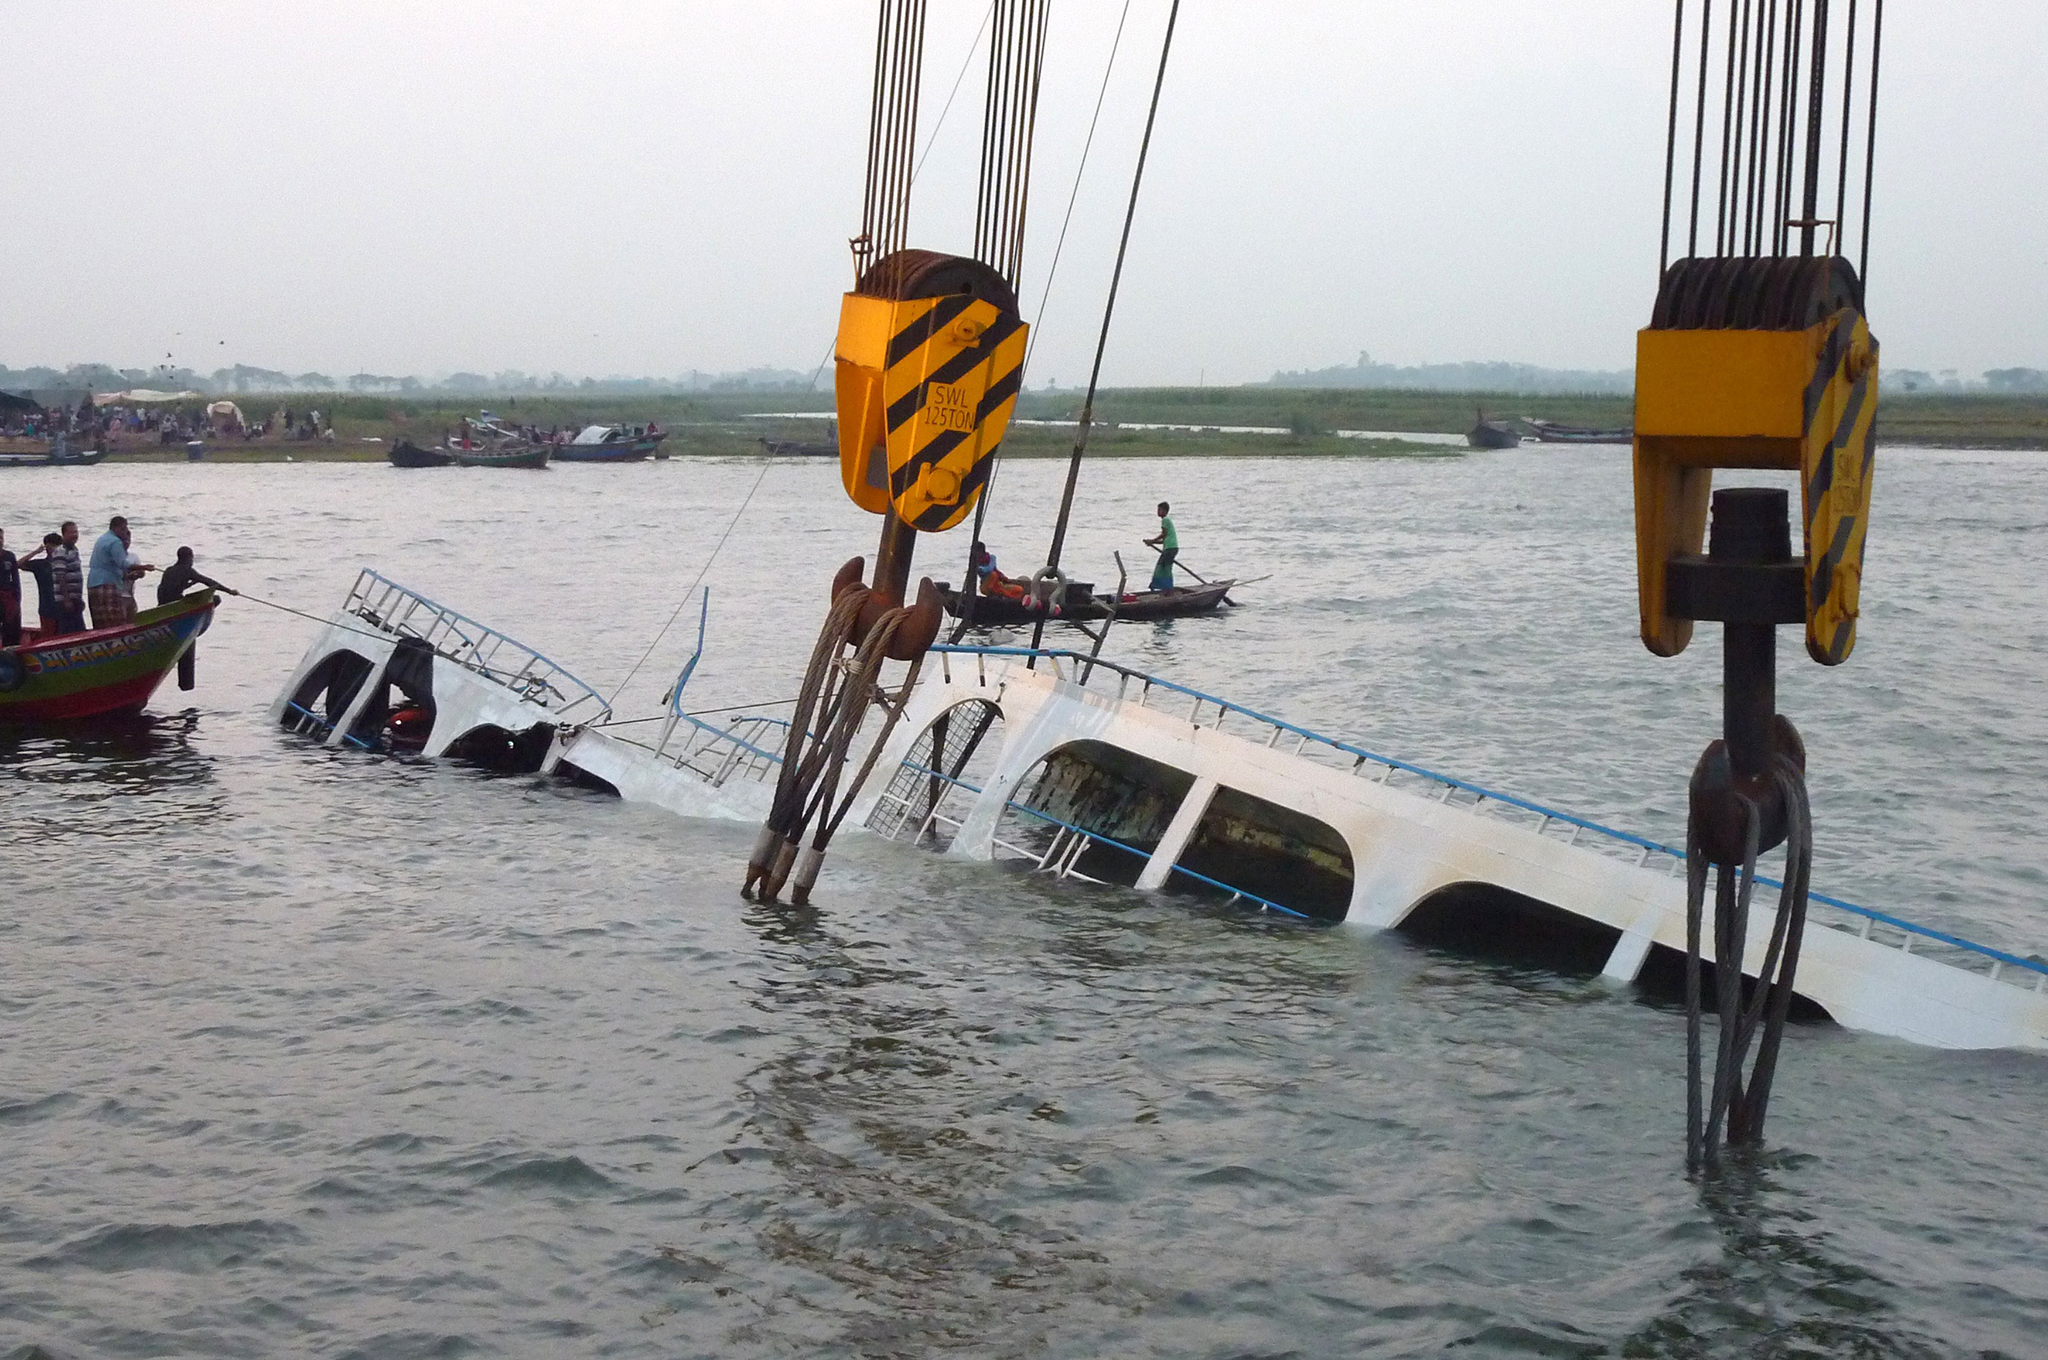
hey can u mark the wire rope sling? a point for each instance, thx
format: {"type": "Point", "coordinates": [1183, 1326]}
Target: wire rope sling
{"type": "Point", "coordinates": [928, 364]}
{"type": "Point", "coordinates": [1757, 356]}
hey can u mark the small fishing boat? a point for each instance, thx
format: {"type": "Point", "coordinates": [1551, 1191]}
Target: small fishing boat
{"type": "Point", "coordinates": [106, 671]}
{"type": "Point", "coordinates": [799, 448]}
{"type": "Point", "coordinates": [407, 454]}
{"type": "Point", "coordinates": [1550, 432]}
{"type": "Point", "coordinates": [59, 454]}
{"type": "Point", "coordinates": [610, 444]}
{"type": "Point", "coordinates": [1083, 604]}
{"type": "Point", "coordinates": [1492, 434]}
{"type": "Point", "coordinates": [828, 447]}
{"type": "Point", "coordinates": [63, 455]}
{"type": "Point", "coordinates": [505, 456]}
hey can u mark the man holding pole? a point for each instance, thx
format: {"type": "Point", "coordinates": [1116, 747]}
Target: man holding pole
{"type": "Point", "coordinates": [1167, 543]}
{"type": "Point", "coordinates": [178, 578]}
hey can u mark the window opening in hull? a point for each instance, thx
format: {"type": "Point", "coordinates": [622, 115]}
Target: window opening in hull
{"type": "Point", "coordinates": [1111, 794]}
{"type": "Point", "coordinates": [504, 752]}
{"type": "Point", "coordinates": [947, 766]}
{"type": "Point", "coordinates": [1496, 925]}
{"type": "Point", "coordinates": [398, 714]}
{"type": "Point", "coordinates": [1661, 983]}
{"type": "Point", "coordinates": [1275, 853]}
{"type": "Point", "coordinates": [326, 693]}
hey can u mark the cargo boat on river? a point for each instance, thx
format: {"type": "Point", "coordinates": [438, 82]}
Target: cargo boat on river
{"type": "Point", "coordinates": [609, 444]}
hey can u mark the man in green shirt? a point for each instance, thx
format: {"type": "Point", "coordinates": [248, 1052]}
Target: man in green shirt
{"type": "Point", "coordinates": [1168, 544]}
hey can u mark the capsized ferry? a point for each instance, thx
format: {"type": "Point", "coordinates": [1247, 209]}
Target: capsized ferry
{"type": "Point", "coordinates": [1061, 763]}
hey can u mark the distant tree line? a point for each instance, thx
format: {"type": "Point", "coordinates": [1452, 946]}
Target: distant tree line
{"type": "Point", "coordinates": [245, 378]}
{"type": "Point", "coordinates": [2016, 380]}
{"type": "Point", "coordinates": [1460, 377]}
{"type": "Point", "coordinates": [1529, 378]}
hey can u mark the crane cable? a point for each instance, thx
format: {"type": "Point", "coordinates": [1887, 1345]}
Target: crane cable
{"type": "Point", "coordinates": [892, 131]}
{"type": "Point", "coordinates": [1016, 64]}
{"type": "Point", "coordinates": [1059, 532]}
{"type": "Point", "coordinates": [1774, 96]}
{"type": "Point", "coordinates": [988, 490]}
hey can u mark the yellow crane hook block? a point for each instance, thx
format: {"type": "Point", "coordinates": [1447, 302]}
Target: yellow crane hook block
{"type": "Point", "coordinates": [1756, 363]}
{"type": "Point", "coordinates": [929, 361]}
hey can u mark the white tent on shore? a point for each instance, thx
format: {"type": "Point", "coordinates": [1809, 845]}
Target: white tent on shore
{"type": "Point", "coordinates": [142, 396]}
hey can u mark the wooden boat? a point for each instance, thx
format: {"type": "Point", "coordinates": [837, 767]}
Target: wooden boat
{"type": "Point", "coordinates": [828, 447]}
{"type": "Point", "coordinates": [63, 455]}
{"type": "Point", "coordinates": [106, 671]}
{"type": "Point", "coordinates": [799, 448]}
{"type": "Point", "coordinates": [59, 454]}
{"type": "Point", "coordinates": [512, 456]}
{"type": "Point", "coordinates": [1492, 434]}
{"type": "Point", "coordinates": [1177, 603]}
{"type": "Point", "coordinates": [609, 444]}
{"type": "Point", "coordinates": [1085, 605]}
{"type": "Point", "coordinates": [1550, 432]}
{"type": "Point", "coordinates": [407, 454]}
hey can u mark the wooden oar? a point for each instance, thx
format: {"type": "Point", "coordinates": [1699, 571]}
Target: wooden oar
{"type": "Point", "coordinates": [1156, 550]}
{"type": "Point", "coordinates": [1205, 580]}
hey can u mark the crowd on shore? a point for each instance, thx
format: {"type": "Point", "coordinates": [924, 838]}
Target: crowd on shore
{"type": "Point", "coordinates": [92, 425]}
{"type": "Point", "coordinates": [103, 582]}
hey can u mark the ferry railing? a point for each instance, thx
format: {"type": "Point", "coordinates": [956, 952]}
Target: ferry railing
{"type": "Point", "coordinates": [748, 746]}
{"type": "Point", "coordinates": [1204, 709]}
{"type": "Point", "coordinates": [405, 613]}
{"type": "Point", "coordinates": [309, 723]}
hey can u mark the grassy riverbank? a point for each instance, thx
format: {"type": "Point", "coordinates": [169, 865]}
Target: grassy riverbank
{"type": "Point", "coordinates": [731, 424]}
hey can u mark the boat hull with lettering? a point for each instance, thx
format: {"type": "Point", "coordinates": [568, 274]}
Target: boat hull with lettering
{"type": "Point", "coordinates": [101, 673]}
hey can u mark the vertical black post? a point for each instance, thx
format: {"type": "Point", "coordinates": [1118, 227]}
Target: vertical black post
{"type": "Point", "coordinates": [892, 557]}
{"type": "Point", "coordinates": [1750, 528]}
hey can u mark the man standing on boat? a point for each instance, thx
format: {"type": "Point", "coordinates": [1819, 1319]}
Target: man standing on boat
{"type": "Point", "coordinates": [50, 613]}
{"type": "Point", "coordinates": [1167, 542]}
{"type": "Point", "coordinates": [110, 580]}
{"type": "Point", "coordinates": [67, 578]}
{"type": "Point", "coordinates": [179, 578]}
{"type": "Point", "coordinates": [10, 596]}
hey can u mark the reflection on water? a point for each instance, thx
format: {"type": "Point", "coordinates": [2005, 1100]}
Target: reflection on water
{"type": "Point", "coordinates": [1774, 1288]}
{"type": "Point", "coordinates": [114, 776]}
{"type": "Point", "coordinates": [888, 1181]}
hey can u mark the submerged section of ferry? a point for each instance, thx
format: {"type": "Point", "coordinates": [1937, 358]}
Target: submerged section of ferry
{"type": "Point", "coordinates": [1060, 763]}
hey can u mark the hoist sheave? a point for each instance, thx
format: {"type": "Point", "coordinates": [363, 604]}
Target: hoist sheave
{"type": "Point", "coordinates": [928, 364]}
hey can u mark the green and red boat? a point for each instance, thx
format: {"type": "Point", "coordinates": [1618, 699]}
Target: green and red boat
{"type": "Point", "coordinates": [104, 672]}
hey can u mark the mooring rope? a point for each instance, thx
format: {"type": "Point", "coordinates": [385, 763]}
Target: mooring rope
{"type": "Point", "coordinates": [766, 463]}
{"type": "Point", "coordinates": [324, 622]}
{"type": "Point", "coordinates": [940, 122]}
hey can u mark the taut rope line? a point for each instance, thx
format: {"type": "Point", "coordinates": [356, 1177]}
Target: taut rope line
{"type": "Point", "coordinates": [766, 463]}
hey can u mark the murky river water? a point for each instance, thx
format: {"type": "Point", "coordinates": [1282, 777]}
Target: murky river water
{"type": "Point", "coordinates": [305, 1053]}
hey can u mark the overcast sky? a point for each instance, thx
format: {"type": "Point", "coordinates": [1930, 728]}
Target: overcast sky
{"type": "Point", "coordinates": [650, 188]}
